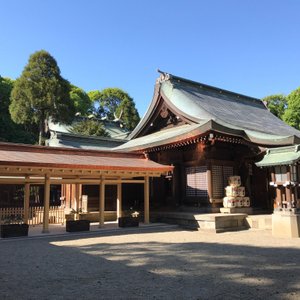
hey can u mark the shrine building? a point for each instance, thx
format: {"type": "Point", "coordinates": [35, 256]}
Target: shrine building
{"type": "Point", "coordinates": [207, 134]}
{"type": "Point", "coordinates": [191, 139]}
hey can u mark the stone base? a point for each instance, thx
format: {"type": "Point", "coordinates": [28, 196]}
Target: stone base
{"type": "Point", "coordinates": [286, 224]}
{"type": "Point", "coordinates": [231, 222]}
{"type": "Point", "coordinates": [260, 221]}
{"type": "Point", "coordinates": [236, 210]}
{"type": "Point", "coordinates": [215, 222]}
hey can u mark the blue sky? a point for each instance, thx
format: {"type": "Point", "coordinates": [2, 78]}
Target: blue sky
{"type": "Point", "coordinates": [249, 46]}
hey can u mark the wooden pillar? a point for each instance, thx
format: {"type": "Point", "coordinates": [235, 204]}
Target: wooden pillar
{"type": "Point", "coordinates": [273, 178]}
{"type": "Point", "coordinates": [296, 196]}
{"type": "Point", "coordinates": [146, 200]}
{"type": "Point", "coordinates": [26, 200]}
{"type": "Point", "coordinates": [69, 196]}
{"type": "Point", "coordinates": [209, 184]}
{"type": "Point", "coordinates": [80, 195]}
{"type": "Point", "coordinates": [101, 203]}
{"type": "Point", "coordinates": [277, 199]}
{"type": "Point", "coordinates": [46, 204]}
{"type": "Point", "coordinates": [288, 189]}
{"type": "Point", "coordinates": [119, 200]}
{"type": "Point", "coordinates": [72, 196]}
{"type": "Point", "coordinates": [76, 197]}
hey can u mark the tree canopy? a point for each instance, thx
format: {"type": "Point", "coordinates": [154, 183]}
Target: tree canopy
{"type": "Point", "coordinates": [292, 114]}
{"type": "Point", "coordinates": [40, 93]}
{"type": "Point", "coordinates": [277, 104]}
{"type": "Point", "coordinates": [82, 102]}
{"type": "Point", "coordinates": [115, 104]}
{"type": "Point", "coordinates": [10, 131]}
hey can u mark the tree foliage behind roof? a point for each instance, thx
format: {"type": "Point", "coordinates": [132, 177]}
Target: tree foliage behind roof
{"type": "Point", "coordinates": [40, 93]}
{"type": "Point", "coordinates": [277, 104]}
{"type": "Point", "coordinates": [9, 130]}
{"type": "Point", "coordinates": [292, 113]}
{"type": "Point", "coordinates": [115, 104]}
{"type": "Point", "coordinates": [83, 103]}
{"type": "Point", "coordinates": [286, 108]}
{"type": "Point", "coordinates": [90, 127]}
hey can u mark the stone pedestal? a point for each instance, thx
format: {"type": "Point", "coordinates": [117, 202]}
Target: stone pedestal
{"type": "Point", "coordinates": [235, 210]}
{"type": "Point", "coordinates": [286, 224]}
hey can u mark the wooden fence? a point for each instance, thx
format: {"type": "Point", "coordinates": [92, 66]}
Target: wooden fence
{"type": "Point", "coordinates": [36, 214]}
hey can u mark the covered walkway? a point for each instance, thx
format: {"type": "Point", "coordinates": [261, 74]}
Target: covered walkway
{"type": "Point", "coordinates": [24, 164]}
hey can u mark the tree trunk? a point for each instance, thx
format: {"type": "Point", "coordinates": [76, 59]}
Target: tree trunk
{"type": "Point", "coordinates": [42, 134]}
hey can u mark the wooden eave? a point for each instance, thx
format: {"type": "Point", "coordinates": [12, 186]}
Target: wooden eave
{"type": "Point", "coordinates": [13, 174]}
{"type": "Point", "coordinates": [70, 172]}
{"type": "Point", "coordinates": [180, 143]}
{"type": "Point", "coordinates": [204, 138]}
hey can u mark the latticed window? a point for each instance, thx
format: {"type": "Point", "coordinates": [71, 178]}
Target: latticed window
{"type": "Point", "coordinates": [196, 182]}
{"type": "Point", "coordinates": [220, 176]}
{"type": "Point", "coordinates": [281, 173]}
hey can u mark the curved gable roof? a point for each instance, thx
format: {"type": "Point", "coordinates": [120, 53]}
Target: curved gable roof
{"type": "Point", "coordinates": [198, 102]}
{"type": "Point", "coordinates": [201, 102]}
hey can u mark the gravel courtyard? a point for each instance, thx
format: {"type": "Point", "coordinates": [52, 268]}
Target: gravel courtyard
{"type": "Point", "coordinates": [156, 264]}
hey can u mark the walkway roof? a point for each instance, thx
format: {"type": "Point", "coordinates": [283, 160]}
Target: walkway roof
{"type": "Point", "coordinates": [27, 159]}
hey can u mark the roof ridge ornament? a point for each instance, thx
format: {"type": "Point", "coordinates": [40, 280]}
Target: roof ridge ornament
{"type": "Point", "coordinates": [163, 76]}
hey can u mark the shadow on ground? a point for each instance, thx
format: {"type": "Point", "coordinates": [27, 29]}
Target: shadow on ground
{"type": "Point", "coordinates": [97, 268]}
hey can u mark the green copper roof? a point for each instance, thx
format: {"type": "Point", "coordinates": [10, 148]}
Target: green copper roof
{"type": "Point", "coordinates": [163, 137]}
{"type": "Point", "coordinates": [201, 102]}
{"type": "Point", "coordinates": [280, 156]}
{"type": "Point", "coordinates": [180, 133]}
{"type": "Point", "coordinates": [227, 112]}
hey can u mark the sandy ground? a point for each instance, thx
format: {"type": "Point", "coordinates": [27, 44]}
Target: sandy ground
{"type": "Point", "coordinates": [166, 263]}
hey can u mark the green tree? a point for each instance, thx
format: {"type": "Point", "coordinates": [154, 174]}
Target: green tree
{"type": "Point", "coordinates": [90, 127]}
{"type": "Point", "coordinates": [40, 93]}
{"type": "Point", "coordinates": [98, 109]}
{"type": "Point", "coordinates": [277, 104]}
{"type": "Point", "coordinates": [128, 114]}
{"type": "Point", "coordinates": [116, 105]}
{"type": "Point", "coordinates": [10, 131]}
{"type": "Point", "coordinates": [292, 114]}
{"type": "Point", "coordinates": [81, 100]}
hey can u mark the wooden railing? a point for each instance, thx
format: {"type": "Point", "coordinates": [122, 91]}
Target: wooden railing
{"type": "Point", "coordinates": [36, 214]}
{"type": "Point", "coordinates": [11, 214]}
